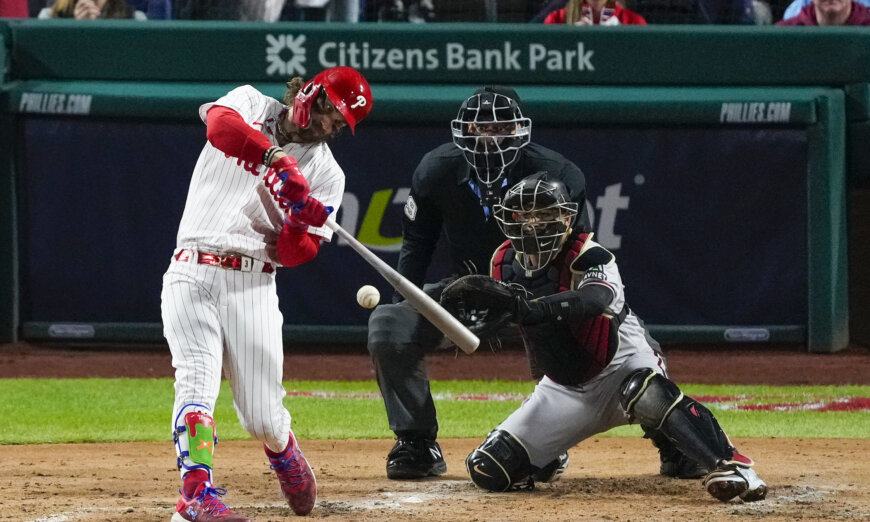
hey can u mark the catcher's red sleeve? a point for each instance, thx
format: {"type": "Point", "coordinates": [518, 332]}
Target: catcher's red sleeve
{"type": "Point", "coordinates": [296, 246]}
{"type": "Point", "coordinates": [228, 132]}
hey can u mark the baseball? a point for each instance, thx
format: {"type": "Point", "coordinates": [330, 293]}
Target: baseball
{"type": "Point", "coordinates": [368, 296]}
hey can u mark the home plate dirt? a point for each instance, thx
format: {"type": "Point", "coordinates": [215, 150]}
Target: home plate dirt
{"type": "Point", "coordinates": [608, 479]}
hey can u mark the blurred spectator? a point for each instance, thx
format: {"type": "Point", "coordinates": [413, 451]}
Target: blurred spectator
{"type": "Point", "coordinates": [415, 11]}
{"type": "Point", "coordinates": [795, 7]}
{"type": "Point", "coordinates": [343, 11]}
{"type": "Point", "coordinates": [206, 9]}
{"type": "Point", "coordinates": [694, 11]}
{"type": "Point", "coordinates": [546, 8]}
{"type": "Point", "coordinates": [830, 12]}
{"type": "Point", "coordinates": [761, 12]}
{"type": "Point", "coordinates": [153, 9]}
{"type": "Point", "coordinates": [594, 12]}
{"type": "Point", "coordinates": [13, 9]}
{"type": "Point", "coordinates": [322, 10]}
{"type": "Point", "coordinates": [91, 10]}
{"type": "Point", "coordinates": [260, 10]}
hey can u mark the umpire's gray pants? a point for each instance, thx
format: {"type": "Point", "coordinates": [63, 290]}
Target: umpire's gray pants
{"type": "Point", "coordinates": [398, 340]}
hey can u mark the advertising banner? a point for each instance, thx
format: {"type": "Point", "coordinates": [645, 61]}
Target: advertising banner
{"type": "Point", "coordinates": [708, 224]}
{"type": "Point", "coordinates": [439, 53]}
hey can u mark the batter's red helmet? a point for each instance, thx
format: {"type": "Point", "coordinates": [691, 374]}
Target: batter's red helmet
{"type": "Point", "coordinates": [346, 88]}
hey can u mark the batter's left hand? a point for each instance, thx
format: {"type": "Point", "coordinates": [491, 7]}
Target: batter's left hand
{"type": "Point", "coordinates": [310, 212]}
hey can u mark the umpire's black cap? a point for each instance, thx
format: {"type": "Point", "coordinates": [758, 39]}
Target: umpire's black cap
{"type": "Point", "coordinates": [503, 90]}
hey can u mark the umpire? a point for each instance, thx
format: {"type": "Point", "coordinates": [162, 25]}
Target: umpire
{"type": "Point", "coordinates": [453, 191]}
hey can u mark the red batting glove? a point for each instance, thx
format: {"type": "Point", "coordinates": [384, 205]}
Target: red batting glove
{"type": "Point", "coordinates": [312, 212]}
{"type": "Point", "coordinates": [295, 188]}
{"type": "Point", "coordinates": [293, 222]}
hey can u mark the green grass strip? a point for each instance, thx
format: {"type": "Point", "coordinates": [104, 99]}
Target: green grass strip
{"type": "Point", "coordinates": [107, 410]}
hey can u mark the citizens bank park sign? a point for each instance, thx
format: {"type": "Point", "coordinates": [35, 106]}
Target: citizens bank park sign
{"type": "Point", "coordinates": [289, 54]}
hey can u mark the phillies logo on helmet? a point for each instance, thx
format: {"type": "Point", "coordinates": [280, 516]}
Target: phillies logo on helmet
{"type": "Point", "coordinates": [346, 88]}
{"type": "Point", "coordinates": [360, 102]}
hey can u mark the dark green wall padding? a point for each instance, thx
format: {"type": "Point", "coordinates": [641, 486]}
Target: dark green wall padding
{"type": "Point", "coordinates": [656, 75]}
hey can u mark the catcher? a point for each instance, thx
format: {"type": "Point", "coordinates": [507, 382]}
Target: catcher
{"type": "Point", "coordinates": [601, 368]}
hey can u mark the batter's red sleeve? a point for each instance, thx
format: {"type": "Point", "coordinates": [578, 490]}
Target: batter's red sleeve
{"type": "Point", "coordinates": [228, 132]}
{"type": "Point", "coordinates": [296, 246]}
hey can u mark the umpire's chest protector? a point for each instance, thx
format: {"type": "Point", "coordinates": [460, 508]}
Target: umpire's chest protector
{"type": "Point", "coordinates": [569, 354]}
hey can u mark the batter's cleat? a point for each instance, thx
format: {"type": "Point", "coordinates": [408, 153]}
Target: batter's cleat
{"type": "Point", "coordinates": [298, 484]}
{"type": "Point", "coordinates": [205, 506]}
{"type": "Point", "coordinates": [552, 471]}
{"type": "Point", "coordinates": [414, 458]}
{"type": "Point", "coordinates": [735, 478]}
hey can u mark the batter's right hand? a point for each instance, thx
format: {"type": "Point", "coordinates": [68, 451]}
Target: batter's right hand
{"type": "Point", "coordinates": [295, 188]}
{"type": "Point", "coordinates": [312, 212]}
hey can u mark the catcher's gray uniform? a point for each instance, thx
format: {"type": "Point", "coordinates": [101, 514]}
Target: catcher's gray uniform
{"type": "Point", "coordinates": [600, 367]}
{"type": "Point", "coordinates": [558, 416]}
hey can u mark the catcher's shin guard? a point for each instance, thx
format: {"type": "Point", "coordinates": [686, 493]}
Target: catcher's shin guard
{"type": "Point", "coordinates": [553, 470]}
{"type": "Point", "coordinates": [674, 463]}
{"type": "Point", "coordinates": [658, 404]}
{"type": "Point", "coordinates": [195, 437]}
{"type": "Point", "coordinates": [500, 463]}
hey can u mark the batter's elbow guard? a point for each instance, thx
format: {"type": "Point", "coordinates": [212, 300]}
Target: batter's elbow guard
{"type": "Point", "coordinates": [499, 463]}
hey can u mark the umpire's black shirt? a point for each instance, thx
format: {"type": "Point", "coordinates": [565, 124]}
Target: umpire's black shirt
{"type": "Point", "coordinates": [443, 197]}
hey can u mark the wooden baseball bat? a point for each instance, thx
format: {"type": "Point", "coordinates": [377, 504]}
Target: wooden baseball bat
{"type": "Point", "coordinates": [428, 307]}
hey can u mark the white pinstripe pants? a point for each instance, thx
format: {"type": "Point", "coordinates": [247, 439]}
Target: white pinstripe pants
{"type": "Point", "coordinates": [214, 317]}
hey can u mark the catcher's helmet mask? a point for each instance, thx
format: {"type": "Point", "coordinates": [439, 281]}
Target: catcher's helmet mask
{"type": "Point", "coordinates": [536, 216]}
{"type": "Point", "coordinates": [490, 130]}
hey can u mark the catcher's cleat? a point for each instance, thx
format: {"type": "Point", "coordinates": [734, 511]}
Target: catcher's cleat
{"type": "Point", "coordinates": [415, 458]}
{"type": "Point", "coordinates": [298, 484]}
{"type": "Point", "coordinates": [205, 505]}
{"type": "Point", "coordinates": [733, 478]}
{"type": "Point", "coordinates": [682, 467]}
{"type": "Point", "coordinates": [552, 471]}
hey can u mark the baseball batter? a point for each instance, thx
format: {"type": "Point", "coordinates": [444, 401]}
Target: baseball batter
{"type": "Point", "coordinates": [601, 368]}
{"type": "Point", "coordinates": [258, 199]}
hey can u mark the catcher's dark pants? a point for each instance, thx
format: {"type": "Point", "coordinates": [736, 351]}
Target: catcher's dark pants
{"type": "Point", "coordinates": [399, 338]}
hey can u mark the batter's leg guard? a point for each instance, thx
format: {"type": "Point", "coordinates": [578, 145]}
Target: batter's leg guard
{"type": "Point", "coordinates": [195, 438]}
{"type": "Point", "coordinates": [658, 404]}
{"type": "Point", "coordinates": [500, 463]}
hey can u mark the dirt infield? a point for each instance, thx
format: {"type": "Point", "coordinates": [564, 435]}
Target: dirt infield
{"type": "Point", "coordinates": [608, 479]}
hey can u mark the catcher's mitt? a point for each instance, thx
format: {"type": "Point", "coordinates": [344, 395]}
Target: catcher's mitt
{"type": "Point", "coordinates": [481, 303]}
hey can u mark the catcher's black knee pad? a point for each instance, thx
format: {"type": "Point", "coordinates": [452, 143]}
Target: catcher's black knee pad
{"type": "Point", "coordinates": [658, 404]}
{"type": "Point", "coordinates": [499, 462]}
{"type": "Point", "coordinates": [648, 397]}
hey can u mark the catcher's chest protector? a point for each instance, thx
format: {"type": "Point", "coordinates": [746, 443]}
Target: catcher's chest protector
{"type": "Point", "coordinates": [568, 354]}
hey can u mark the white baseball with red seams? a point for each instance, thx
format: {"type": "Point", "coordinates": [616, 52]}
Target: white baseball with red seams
{"type": "Point", "coordinates": [368, 296]}
{"type": "Point", "coordinates": [214, 317]}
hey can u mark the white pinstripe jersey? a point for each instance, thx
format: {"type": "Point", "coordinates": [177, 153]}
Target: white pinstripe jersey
{"type": "Point", "coordinates": [230, 207]}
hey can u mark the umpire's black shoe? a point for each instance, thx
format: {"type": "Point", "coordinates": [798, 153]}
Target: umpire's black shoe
{"type": "Point", "coordinates": [415, 458]}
